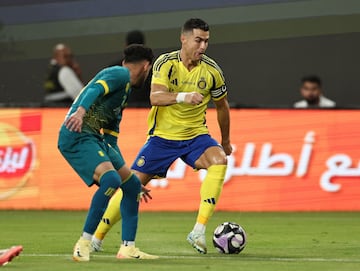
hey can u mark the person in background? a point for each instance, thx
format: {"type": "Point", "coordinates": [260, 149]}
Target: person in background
{"type": "Point", "coordinates": [140, 95]}
{"type": "Point", "coordinates": [311, 91]}
{"type": "Point", "coordinates": [63, 82]}
{"type": "Point", "coordinates": [132, 37]}
{"type": "Point", "coordinates": [6, 255]}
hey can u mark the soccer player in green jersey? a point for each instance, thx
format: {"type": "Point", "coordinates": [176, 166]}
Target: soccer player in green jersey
{"type": "Point", "coordinates": [183, 83]}
{"type": "Point", "coordinates": [88, 141]}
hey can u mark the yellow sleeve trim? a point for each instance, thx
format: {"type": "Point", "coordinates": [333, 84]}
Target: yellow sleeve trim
{"type": "Point", "coordinates": [105, 86]}
{"type": "Point", "coordinates": [110, 132]}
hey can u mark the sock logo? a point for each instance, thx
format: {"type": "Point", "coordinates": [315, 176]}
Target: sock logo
{"type": "Point", "coordinates": [210, 200]}
{"type": "Point", "coordinates": [106, 221]}
{"type": "Point", "coordinates": [139, 196]}
{"type": "Point", "coordinates": [110, 191]}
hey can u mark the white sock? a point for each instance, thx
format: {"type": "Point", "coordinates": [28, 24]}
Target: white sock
{"type": "Point", "coordinates": [94, 239]}
{"type": "Point", "coordinates": [199, 227]}
{"type": "Point", "coordinates": [86, 236]}
{"type": "Point", "coordinates": [129, 243]}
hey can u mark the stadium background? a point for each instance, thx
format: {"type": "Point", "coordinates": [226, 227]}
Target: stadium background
{"type": "Point", "coordinates": [263, 46]}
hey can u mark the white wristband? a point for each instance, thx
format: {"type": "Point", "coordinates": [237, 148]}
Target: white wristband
{"type": "Point", "coordinates": [180, 97]}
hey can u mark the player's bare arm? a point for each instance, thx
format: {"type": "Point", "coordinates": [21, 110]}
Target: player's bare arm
{"type": "Point", "coordinates": [223, 117]}
{"type": "Point", "coordinates": [160, 96]}
{"type": "Point", "coordinates": [75, 121]}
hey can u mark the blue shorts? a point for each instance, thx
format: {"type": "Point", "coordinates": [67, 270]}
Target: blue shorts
{"type": "Point", "coordinates": [84, 152]}
{"type": "Point", "coordinates": [157, 155]}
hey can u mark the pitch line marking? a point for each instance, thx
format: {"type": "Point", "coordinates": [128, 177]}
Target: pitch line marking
{"type": "Point", "coordinates": [271, 259]}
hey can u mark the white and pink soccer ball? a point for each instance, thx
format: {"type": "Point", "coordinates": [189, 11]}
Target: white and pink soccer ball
{"type": "Point", "coordinates": [229, 238]}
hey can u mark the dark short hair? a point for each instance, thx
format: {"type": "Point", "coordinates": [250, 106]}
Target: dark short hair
{"type": "Point", "coordinates": [135, 37]}
{"type": "Point", "coordinates": [195, 23]}
{"type": "Point", "coordinates": [138, 52]}
{"type": "Point", "coordinates": [312, 79]}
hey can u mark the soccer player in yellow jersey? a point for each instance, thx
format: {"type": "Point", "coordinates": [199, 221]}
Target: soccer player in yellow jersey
{"type": "Point", "coordinates": [183, 83]}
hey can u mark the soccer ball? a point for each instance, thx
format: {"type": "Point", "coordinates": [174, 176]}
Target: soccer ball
{"type": "Point", "coordinates": [229, 238]}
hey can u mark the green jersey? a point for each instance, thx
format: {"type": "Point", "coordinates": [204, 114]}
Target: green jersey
{"type": "Point", "coordinates": [104, 99]}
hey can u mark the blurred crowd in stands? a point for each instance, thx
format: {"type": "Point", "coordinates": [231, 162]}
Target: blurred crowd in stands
{"type": "Point", "coordinates": [64, 81]}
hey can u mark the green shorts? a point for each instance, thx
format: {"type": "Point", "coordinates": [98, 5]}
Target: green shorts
{"type": "Point", "coordinates": [84, 152]}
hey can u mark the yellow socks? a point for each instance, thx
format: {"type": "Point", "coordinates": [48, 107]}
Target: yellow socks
{"type": "Point", "coordinates": [210, 192]}
{"type": "Point", "coordinates": [110, 217]}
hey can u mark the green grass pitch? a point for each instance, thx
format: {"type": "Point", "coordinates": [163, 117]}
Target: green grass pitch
{"type": "Point", "coordinates": [276, 241]}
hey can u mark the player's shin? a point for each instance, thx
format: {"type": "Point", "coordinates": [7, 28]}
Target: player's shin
{"type": "Point", "coordinates": [210, 192]}
{"type": "Point", "coordinates": [109, 183]}
{"type": "Point", "coordinates": [110, 217]}
{"type": "Point", "coordinates": [129, 208]}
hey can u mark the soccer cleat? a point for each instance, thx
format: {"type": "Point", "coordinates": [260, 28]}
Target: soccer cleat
{"type": "Point", "coordinates": [82, 250]}
{"type": "Point", "coordinates": [197, 240]}
{"type": "Point", "coordinates": [7, 255]}
{"type": "Point", "coordinates": [131, 252]}
{"type": "Point", "coordinates": [96, 245]}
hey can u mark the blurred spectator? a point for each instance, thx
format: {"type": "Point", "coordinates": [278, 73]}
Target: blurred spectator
{"type": "Point", "coordinates": [139, 96]}
{"type": "Point", "coordinates": [311, 91]}
{"type": "Point", "coordinates": [132, 37]}
{"type": "Point", "coordinates": [63, 82]}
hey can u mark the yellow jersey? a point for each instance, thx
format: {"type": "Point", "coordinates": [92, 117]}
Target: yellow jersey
{"type": "Point", "coordinates": [184, 121]}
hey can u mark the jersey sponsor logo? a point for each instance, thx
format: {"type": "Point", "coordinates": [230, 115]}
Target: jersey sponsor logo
{"type": "Point", "coordinates": [17, 160]}
{"type": "Point", "coordinates": [202, 83]}
{"type": "Point", "coordinates": [141, 161]}
{"type": "Point", "coordinates": [174, 82]}
{"type": "Point", "coordinates": [187, 83]}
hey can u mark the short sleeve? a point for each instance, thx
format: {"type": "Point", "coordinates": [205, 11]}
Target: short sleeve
{"type": "Point", "coordinates": [108, 80]}
{"type": "Point", "coordinates": [113, 79]}
{"type": "Point", "coordinates": [161, 71]}
{"type": "Point", "coordinates": [219, 89]}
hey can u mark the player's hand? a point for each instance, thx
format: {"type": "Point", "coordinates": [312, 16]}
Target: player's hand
{"type": "Point", "coordinates": [193, 98]}
{"type": "Point", "coordinates": [75, 121]}
{"type": "Point", "coordinates": [145, 194]}
{"type": "Point", "coordinates": [227, 147]}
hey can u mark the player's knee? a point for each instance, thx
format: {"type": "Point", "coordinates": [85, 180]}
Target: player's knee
{"type": "Point", "coordinates": [132, 184]}
{"type": "Point", "coordinates": [223, 160]}
{"type": "Point", "coordinates": [135, 180]}
{"type": "Point", "coordinates": [110, 181]}
{"type": "Point", "coordinates": [219, 159]}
